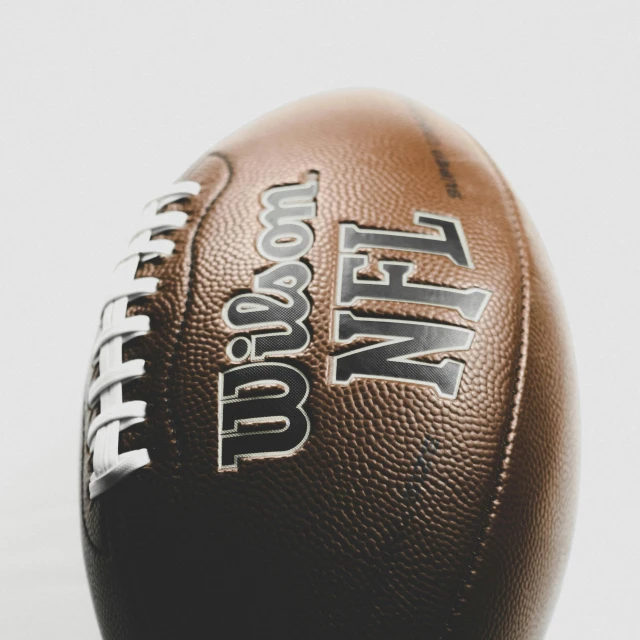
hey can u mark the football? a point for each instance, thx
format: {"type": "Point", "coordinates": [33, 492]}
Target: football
{"type": "Point", "coordinates": [331, 393]}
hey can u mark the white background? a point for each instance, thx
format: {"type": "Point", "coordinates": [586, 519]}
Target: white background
{"type": "Point", "coordinates": [103, 103]}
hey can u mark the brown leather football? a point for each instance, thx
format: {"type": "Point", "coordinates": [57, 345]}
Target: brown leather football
{"type": "Point", "coordinates": [331, 395]}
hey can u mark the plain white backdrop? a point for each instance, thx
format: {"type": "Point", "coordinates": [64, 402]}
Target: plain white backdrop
{"type": "Point", "coordinates": [102, 104]}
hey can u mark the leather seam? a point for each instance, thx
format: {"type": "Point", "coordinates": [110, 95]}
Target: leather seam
{"type": "Point", "coordinates": [502, 471]}
{"type": "Point", "coordinates": [189, 298]}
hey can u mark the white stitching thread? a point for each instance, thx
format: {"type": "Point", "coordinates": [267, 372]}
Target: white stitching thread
{"type": "Point", "coordinates": [103, 434]}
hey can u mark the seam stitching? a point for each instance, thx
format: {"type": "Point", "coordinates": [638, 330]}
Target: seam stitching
{"type": "Point", "coordinates": [510, 433]}
{"type": "Point", "coordinates": [171, 409]}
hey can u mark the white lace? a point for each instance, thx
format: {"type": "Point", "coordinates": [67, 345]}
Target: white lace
{"type": "Point", "coordinates": [103, 435]}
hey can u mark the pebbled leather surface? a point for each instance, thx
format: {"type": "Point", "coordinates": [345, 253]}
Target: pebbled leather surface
{"type": "Point", "coordinates": [405, 515]}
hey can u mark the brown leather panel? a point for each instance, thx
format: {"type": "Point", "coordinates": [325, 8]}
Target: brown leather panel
{"type": "Point", "coordinates": [399, 497]}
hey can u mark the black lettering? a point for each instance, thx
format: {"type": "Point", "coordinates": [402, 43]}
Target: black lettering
{"type": "Point", "coordinates": [393, 359]}
{"type": "Point", "coordinates": [271, 423]}
{"type": "Point", "coordinates": [262, 309]}
{"type": "Point", "coordinates": [449, 239]}
{"type": "Point", "coordinates": [395, 287]}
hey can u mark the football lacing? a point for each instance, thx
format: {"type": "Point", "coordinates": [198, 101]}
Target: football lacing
{"type": "Point", "coordinates": [103, 434]}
